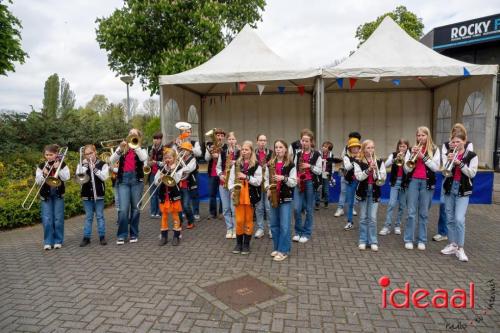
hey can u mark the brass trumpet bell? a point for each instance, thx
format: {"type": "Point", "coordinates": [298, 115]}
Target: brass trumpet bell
{"type": "Point", "coordinates": [133, 141]}
{"type": "Point", "coordinates": [146, 169]}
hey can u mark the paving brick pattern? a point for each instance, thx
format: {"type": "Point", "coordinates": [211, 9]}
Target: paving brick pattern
{"type": "Point", "coordinates": [146, 288]}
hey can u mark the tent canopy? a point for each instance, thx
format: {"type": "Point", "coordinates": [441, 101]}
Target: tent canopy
{"type": "Point", "coordinates": [246, 59]}
{"type": "Point", "coordinates": [391, 53]}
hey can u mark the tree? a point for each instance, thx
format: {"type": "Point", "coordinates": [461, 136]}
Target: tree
{"type": "Point", "coordinates": [10, 40]}
{"type": "Point", "coordinates": [134, 105]}
{"type": "Point", "coordinates": [149, 38]}
{"type": "Point", "coordinates": [152, 107]}
{"type": "Point", "coordinates": [98, 103]}
{"type": "Point", "coordinates": [67, 98]}
{"type": "Point", "coordinates": [407, 20]}
{"type": "Point", "coordinates": [51, 97]}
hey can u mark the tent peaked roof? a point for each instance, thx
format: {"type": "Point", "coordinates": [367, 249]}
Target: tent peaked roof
{"type": "Point", "coordinates": [390, 51]}
{"type": "Point", "coordinates": [246, 58]}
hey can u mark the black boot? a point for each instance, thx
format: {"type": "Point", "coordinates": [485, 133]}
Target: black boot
{"type": "Point", "coordinates": [246, 244]}
{"type": "Point", "coordinates": [176, 240]}
{"type": "Point", "coordinates": [239, 244]}
{"type": "Point", "coordinates": [85, 242]}
{"type": "Point", "coordinates": [102, 240]}
{"type": "Point", "coordinates": [164, 238]}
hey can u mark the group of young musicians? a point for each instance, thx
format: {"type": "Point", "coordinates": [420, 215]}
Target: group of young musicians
{"type": "Point", "coordinates": [255, 181]}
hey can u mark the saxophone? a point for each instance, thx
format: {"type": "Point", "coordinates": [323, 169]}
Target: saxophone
{"type": "Point", "coordinates": [227, 170]}
{"type": "Point", "coordinates": [302, 173]}
{"type": "Point", "coordinates": [273, 186]}
{"type": "Point", "coordinates": [237, 185]}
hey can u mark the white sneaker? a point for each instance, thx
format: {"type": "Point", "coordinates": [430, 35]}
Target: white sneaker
{"type": "Point", "coordinates": [348, 226]}
{"type": "Point", "coordinates": [450, 249]}
{"type": "Point", "coordinates": [280, 257]}
{"type": "Point", "coordinates": [57, 246]}
{"type": "Point", "coordinates": [303, 239]}
{"type": "Point", "coordinates": [421, 246]}
{"type": "Point", "coordinates": [461, 255]}
{"type": "Point", "coordinates": [296, 238]}
{"type": "Point", "coordinates": [47, 247]}
{"type": "Point", "coordinates": [339, 212]}
{"type": "Point", "coordinates": [397, 231]}
{"type": "Point", "coordinates": [384, 231]}
{"type": "Point", "coordinates": [270, 235]}
{"type": "Point", "coordinates": [120, 241]}
{"type": "Point", "coordinates": [197, 217]}
{"type": "Point", "coordinates": [133, 239]}
{"type": "Point", "coordinates": [259, 233]}
{"type": "Point", "coordinates": [354, 212]}
{"type": "Point", "coordinates": [362, 246]}
{"type": "Point", "coordinates": [439, 238]}
{"type": "Point", "coordinates": [234, 234]}
{"type": "Point", "coordinates": [374, 247]}
{"type": "Point", "coordinates": [274, 253]}
{"type": "Point", "coordinates": [409, 246]}
{"type": "Point", "coordinates": [229, 234]}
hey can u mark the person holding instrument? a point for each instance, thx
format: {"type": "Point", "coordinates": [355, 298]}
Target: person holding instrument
{"type": "Point", "coordinates": [92, 193]}
{"type": "Point", "coordinates": [214, 148]}
{"type": "Point", "coordinates": [130, 178]}
{"type": "Point", "coordinates": [155, 162]}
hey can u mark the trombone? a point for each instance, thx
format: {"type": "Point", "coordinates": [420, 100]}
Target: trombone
{"type": "Point", "coordinates": [448, 167]}
{"type": "Point", "coordinates": [82, 178]}
{"type": "Point", "coordinates": [413, 158]}
{"type": "Point", "coordinates": [52, 181]}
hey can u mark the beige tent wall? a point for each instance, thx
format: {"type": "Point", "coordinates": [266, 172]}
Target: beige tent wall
{"type": "Point", "coordinates": [383, 116]}
{"type": "Point", "coordinates": [277, 116]}
{"type": "Point", "coordinates": [457, 94]}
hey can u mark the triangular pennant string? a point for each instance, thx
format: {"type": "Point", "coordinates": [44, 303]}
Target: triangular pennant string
{"type": "Point", "coordinates": [241, 86]}
{"type": "Point", "coordinates": [396, 82]}
{"type": "Point", "coordinates": [340, 82]}
{"type": "Point", "coordinates": [260, 88]}
{"type": "Point", "coordinates": [281, 89]}
{"type": "Point", "coordinates": [466, 72]}
{"type": "Point", "coordinates": [352, 82]}
{"type": "Point", "coordinates": [301, 90]}
{"type": "Point", "coordinates": [376, 79]}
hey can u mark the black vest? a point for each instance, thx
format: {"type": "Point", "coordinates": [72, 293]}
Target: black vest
{"type": "Point", "coordinates": [429, 174]}
{"type": "Point", "coordinates": [174, 194]}
{"type": "Point", "coordinates": [254, 191]}
{"type": "Point", "coordinates": [45, 190]}
{"type": "Point", "coordinates": [192, 183]}
{"type": "Point", "coordinates": [466, 183]}
{"type": "Point", "coordinates": [139, 172]}
{"type": "Point", "coordinates": [269, 154]}
{"type": "Point", "coordinates": [223, 157]}
{"type": "Point", "coordinates": [349, 176]}
{"type": "Point", "coordinates": [361, 190]}
{"type": "Point", "coordinates": [86, 192]}
{"type": "Point", "coordinates": [314, 155]}
{"type": "Point", "coordinates": [210, 161]}
{"type": "Point", "coordinates": [286, 192]}
{"type": "Point", "coordinates": [394, 173]}
{"type": "Point", "coordinates": [156, 155]}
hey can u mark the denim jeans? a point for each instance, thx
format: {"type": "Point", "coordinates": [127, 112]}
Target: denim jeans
{"type": "Point", "coordinates": [442, 222]}
{"type": "Point", "coordinates": [195, 197]}
{"type": "Point", "coordinates": [52, 211]}
{"type": "Point", "coordinates": [259, 210]}
{"type": "Point", "coordinates": [343, 189]}
{"type": "Point", "coordinates": [418, 201]}
{"type": "Point", "coordinates": [117, 197]}
{"type": "Point", "coordinates": [281, 220]}
{"type": "Point", "coordinates": [90, 207]}
{"type": "Point", "coordinates": [227, 207]}
{"type": "Point", "coordinates": [186, 204]}
{"type": "Point", "coordinates": [129, 192]}
{"type": "Point", "coordinates": [304, 200]}
{"type": "Point", "coordinates": [397, 195]}
{"type": "Point", "coordinates": [456, 208]}
{"type": "Point", "coordinates": [368, 219]}
{"type": "Point", "coordinates": [350, 189]}
{"type": "Point", "coordinates": [155, 200]}
{"type": "Point", "coordinates": [213, 186]}
{"type": "Point", "coordinates": [322, 194]}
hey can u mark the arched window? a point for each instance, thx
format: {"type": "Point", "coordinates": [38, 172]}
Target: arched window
{"type": "Point", "coordinates": [474, 119]}
{"type": "Point", "coordinates": [193, 120]}
{"type": "Point", "coordinates": [443, 124]}
{"type": "Point", "coordinates": [172, 116]}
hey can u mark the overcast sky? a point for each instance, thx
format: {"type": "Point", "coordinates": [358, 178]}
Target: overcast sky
{"type": "Point", "coordinates": [59, 37]}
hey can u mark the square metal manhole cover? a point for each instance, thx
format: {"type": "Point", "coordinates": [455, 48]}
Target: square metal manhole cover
{"type": "Point", "coordinates": [243, 294]}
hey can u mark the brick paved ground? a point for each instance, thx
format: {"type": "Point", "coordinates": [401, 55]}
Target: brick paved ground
{"type": "Point", "coordinates": [333, 286]}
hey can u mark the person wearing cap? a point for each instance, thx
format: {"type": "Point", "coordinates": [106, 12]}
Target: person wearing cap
{"type": "Point", "coordinates": [353, 147]}
{"type": "Point", "coordinates": [188, 181]}
{"type": "Point", "coordinates": [212, 156]}
{"type": "Point", "coordinates": [155, 157]}
{"type": "Point", "coordinates": [343, 183]}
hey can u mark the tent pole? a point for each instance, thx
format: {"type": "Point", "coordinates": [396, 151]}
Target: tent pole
{"type": "Point", "coordinates": [162, 117]}
{"type": "Point", "coordinates": [320, 111]}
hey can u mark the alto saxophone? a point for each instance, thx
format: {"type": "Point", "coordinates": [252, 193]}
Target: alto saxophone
{"type": "Point", "coordinates": [273, 186]}
{"type": "Point", "coordinates": [237, 185]}
{"type": "Point", "coordinates": [227, 170]}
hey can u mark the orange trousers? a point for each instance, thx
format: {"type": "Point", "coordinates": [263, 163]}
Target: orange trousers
{"type": "Point", "coordinates": [244, 219]}
{"type": "Point", "coordinates": [173, 208]}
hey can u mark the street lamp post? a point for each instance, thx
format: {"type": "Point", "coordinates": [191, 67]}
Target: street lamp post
{"type": "Point", "coordinates": [127, 79]}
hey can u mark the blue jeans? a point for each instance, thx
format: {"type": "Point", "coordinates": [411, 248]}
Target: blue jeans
{"type": "Point", "coordinates": [456, 208]}
{"type": "Point", "coordinates": [52, 211]}
{"type": "Point", "coordinates": [90, 207]}
{"type": "Point", "coordinates": [195, 198]}
{"type": "Point", "coordinates": [418, 200]}
{"type": "Point", "coordinates": [213, 186]}
{"type": "Point", "coordinates": [117, 197]}
{"type": "Point", "coordinates": [350, 194]}
{"type": "Point", "coordinates": [343, 188]}
{"type": "Point", "coordinates": [281, 219]}
{"type": "Point", "coordinates": [442, 222]}
{"type": "Point", "coordinates": [227, 208]}
{"type": "Point", "coordinates": [368, 219]}
{"type": "Point", "coordinates": [397, 195]}
{"type": "Point", "coordinates": [304, 200]}
{"type": "Point", "coordinates": [129, 193]}
{"type": "Point", "coordinates": [259, 210]}
{"type": "Point", "coordinates": [323, 193]}
{"type": "Point", "coordinates": [186, 204]}
{"type": "Point", "coordinates": [154, 208]}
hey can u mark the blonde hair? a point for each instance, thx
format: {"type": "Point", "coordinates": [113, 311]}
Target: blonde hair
{"type": "Point", "coordinates": [361, 154]}
{"type": "Point", "coordinates": [458, 127]}
{"type": "Point", "coordinates": [91, 147]}
{"type": "Point", "coordinates": [429, 146]}
{"type": "Point", "coordinates": [286, 157]}
{"type": "Point", "coordinates": [169, 151]}
{"type": "Point", "coordinates": [253, 159]}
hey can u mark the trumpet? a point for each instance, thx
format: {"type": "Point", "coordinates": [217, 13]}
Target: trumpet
{"type": "Point", "coordinates": [448, 167]}
{"type": "Point", "coordinates": [413, 158]}
{"type": "Point", "coordinates": [81, 178]}
{"type": "Point", "coordinates": [52, 181]}
{"type": "Point", "coordinates": [380, 181]}
{"type": "Point", "coordinates": [217, 146]}
{"type": "Point", "coordinates": [400, 159]}
{"type": "Point", "coordinates": [146, 169]}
